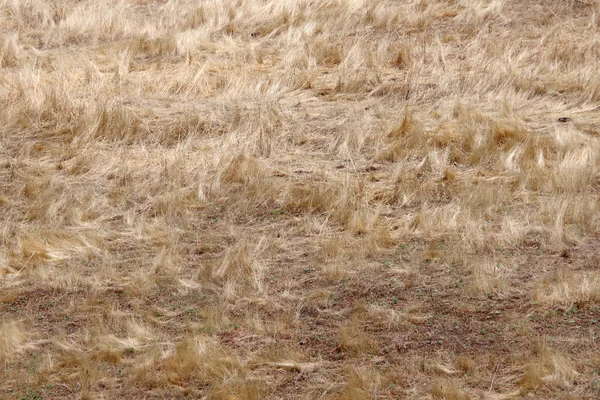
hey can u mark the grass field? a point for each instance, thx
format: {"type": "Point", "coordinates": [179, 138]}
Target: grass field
{"type": "Point", "coordinates": [299, 199]}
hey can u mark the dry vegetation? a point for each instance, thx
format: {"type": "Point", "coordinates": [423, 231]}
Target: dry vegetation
{"type": "Point", "coordinates": [299, 199]}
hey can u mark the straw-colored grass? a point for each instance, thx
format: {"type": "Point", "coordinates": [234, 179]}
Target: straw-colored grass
{"type": "Point", "coordinates": [307, 199]}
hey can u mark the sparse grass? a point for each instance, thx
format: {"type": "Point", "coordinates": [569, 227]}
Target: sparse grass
{"type": "Point", "coordinates": [348, 199]}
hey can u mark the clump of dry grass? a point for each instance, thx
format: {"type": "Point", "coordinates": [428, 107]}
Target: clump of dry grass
{"type": "Point", "coordinates": [549, 367]}
{"type": "Point", "coordinates": [194, 359]}
{"type": "Point", "coordinates": [354, 340]}
{"type": "Point", "coordinates": [568, 289]}
{"type": "Point", "coordinates": [14, 339]}
{"type": "Point", "coordinates": [489, 277]}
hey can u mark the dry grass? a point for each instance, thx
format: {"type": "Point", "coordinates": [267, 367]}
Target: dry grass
{"type": "Point", "coordinates": [248, 199]}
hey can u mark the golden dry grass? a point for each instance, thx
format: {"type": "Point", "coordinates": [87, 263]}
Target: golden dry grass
{"type": "Point", "coordinates": [312, 199]}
